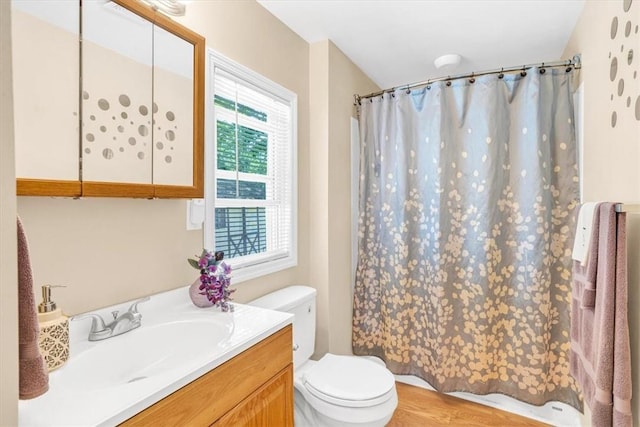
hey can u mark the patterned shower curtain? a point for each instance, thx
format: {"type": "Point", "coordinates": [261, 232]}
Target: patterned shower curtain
{"type": "Point", "coordinates": [467, 216]}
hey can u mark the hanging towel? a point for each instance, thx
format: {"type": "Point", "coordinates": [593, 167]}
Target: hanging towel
{"type": "Point", "coordinates": [583, 232]}
{"type": "Point", "coordinates": [600, 350]}
{"type": "Point", "coordinates": [33, 373]}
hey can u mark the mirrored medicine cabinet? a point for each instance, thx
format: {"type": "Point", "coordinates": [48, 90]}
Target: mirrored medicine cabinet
{"type": "Point", "coordinates": [108, 100]}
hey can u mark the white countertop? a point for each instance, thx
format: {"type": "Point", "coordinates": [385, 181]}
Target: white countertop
{"type": "Point", "coordinates": [109, 401]}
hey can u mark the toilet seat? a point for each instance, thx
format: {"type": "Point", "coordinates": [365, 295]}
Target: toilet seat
{"type": "Point", "coordinates": [349, 381]}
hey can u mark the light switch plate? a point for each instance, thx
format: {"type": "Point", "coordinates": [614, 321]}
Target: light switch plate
{"type": "Point", "coordinates": [195, 214]}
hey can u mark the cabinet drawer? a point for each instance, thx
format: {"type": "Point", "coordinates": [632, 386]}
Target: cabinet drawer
{"type": "Point", "coordinates": [205, 400]}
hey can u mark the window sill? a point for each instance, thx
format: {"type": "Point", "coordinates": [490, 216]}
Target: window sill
{"type": "Point", "coordinates": [253, 271]}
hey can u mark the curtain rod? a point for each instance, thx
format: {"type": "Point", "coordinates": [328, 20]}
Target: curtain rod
{"type": "Point", "coordinates": [569, 63]}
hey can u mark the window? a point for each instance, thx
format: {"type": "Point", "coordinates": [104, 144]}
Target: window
{"type": "Point", "coordinates": [251, 175]}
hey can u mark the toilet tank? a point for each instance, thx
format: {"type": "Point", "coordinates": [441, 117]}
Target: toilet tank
{"type": "Point", "coordinates": [301, 302]}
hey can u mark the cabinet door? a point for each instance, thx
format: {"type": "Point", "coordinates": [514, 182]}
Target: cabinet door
{"type": "Point", "coordinates": [270, 405]}
{"type": "Point", "coordinates": [117, 109]}
{"type": "Point", "coordinates": [45, 61]}
{"type": "Point", "coordinates": [172, 109]}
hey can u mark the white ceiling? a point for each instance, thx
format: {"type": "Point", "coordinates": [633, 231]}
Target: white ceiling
{"type": "Point", "coordinates": [396, 41]}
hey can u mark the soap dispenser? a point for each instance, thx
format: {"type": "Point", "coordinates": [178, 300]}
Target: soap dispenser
{"type": "Point", "coordinates": [54, 331]}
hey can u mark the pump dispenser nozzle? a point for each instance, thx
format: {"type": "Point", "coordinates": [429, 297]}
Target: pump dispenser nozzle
{"type": "Point", "coordinates": [47, 305]}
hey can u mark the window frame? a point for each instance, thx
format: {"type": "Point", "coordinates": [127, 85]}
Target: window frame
{"type": "Point", "coordinates": [251, 266]}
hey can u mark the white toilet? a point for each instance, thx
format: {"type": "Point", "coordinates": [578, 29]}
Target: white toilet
{"type": "Point", "coordinates": [336, 390]}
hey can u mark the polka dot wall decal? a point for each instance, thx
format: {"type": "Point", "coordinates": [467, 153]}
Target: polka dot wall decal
{"type": "Point", "coordinates": [90, 137]}
{"type": "Point", "coordinates": [620, 87]}
{"type": "Point", "coordinates": [626, 5]}
{"type": "Point", "coordinates": [123, 115]}
{"type": "Point", "coordinates": [630, 56]}
{"type": "Point", "coordinates": [612, 97]}
{"type": "Point", "coordinates": [154, 108]}
{"type": "Point", "coordinates": [170, 135]}
{"type": "Point", "coordinates": [159, 145]}
{"type": "Point", "coordinates": [170, 116]}
{"type": "Point", "coordinates": [143, 130]}
{"type": "Point", "coordinates": [92, 117]}
{"type": "Point", "coordinates": [168, 159]}
{"type": "Point", "coordinates": [627, 29]}
{"type": "Point", "coordinates": [613, 70]}
{"type": "Point", "coordinates": [132, 141]}
{"type": "Point", "coordinates": [140, 155]}
{"type": "Point", "coordinates": [621, 48]}
{"type": "Point", "coordinates": [87, 150]}
{"type": "Point", "coordinates": [103, 129]}
{"type": "Point", "coordinates": [107, 153]}
{"type": "Point", "coordinates": [103, 104]}
{"type": "Point", "coordinates": [614, 27]}
{"type": "Point", "coordinates": [121, 149]}
{"type": "Point", "coordinates": [120, 128]}
{"type": "Point", "coordinates": [85, 94]}
{"type": "Point", "coordinates": [143, 110]}
{"type": "Point", "coordinates": [628, 101]}
{"type": "Point", "coordinates": [614, 119]}
{"type": "Point", "coordinates": [638, 108]}
{"type": "Point", "coordinates": [124, 100]}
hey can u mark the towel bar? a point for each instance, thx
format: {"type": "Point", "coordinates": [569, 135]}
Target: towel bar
{"type": "Point", "coordinates": [628, 207]}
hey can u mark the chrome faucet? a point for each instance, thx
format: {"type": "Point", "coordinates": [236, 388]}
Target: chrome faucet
{"type": "Point", "coordinates": [120, 324]}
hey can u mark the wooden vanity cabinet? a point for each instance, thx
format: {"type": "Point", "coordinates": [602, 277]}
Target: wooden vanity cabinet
{"type": "Point", "coordinates": [255, 388]}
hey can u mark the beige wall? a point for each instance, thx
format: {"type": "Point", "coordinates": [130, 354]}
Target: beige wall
{"type": "Point", "coordinates": [112, 250]}
{"type": "Point", "coordinates": [8, 261]}
{"type": "Point", "coordinates": [612, 154]}
{"type": "Point", "coordinates": [334, 79]}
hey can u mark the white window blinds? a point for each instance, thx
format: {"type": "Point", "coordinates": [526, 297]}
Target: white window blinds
{"type": "Point", "coordinates": [254, 170]}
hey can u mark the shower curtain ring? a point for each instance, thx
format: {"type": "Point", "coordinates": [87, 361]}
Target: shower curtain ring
{"type": "Point", "coordinates": [448, 80]}
{"type": "Point", "coordinates": [523, 72]}
{"type": "Point", "coordinates": [472, 79]}
{"type": "Point", "coordinates": [501, 75]}
{"type": "Point", "coordinates": [542, 69]}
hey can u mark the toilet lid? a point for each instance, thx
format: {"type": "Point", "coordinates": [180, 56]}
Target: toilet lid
{"type": "Point", "coordinates": [349, 381]}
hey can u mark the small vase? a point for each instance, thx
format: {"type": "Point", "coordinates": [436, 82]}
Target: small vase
{"type": "Point", "coordinates": [198, 299]}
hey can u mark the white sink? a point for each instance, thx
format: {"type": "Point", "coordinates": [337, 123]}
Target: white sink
{"type": "Point", "coordinates": [106, 382]}
{"type": "Point", "coordinates": [145, 352]}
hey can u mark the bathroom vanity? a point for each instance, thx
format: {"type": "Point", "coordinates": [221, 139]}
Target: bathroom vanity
{"type": "Point", "coordinates": [184, 366]}
{"type": "Point", "coordinates": [253, 388]}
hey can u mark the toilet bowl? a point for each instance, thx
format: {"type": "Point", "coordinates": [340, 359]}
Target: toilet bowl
{"type": "Point", "coordinates": [335, 390]}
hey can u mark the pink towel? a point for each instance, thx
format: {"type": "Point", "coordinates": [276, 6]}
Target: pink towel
{"type": "Point", "coordinates": [600, 349]}
{"type": "Point", "coordinates": [33, 373]}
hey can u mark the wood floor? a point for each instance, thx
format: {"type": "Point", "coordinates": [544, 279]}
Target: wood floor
{"type": "Point", "coordinates": [420, 407]}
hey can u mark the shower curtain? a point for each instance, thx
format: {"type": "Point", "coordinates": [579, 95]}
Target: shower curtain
{"type": "Point", "coordinates": [468, 193]}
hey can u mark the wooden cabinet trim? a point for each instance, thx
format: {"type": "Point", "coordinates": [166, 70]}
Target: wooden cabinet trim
{"type": "Point", "coordinates": [47, 187]}
{"type": "Point", "coordinates": [208, 398]}
{"type": "Point", "coordinates": [116, 189]}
